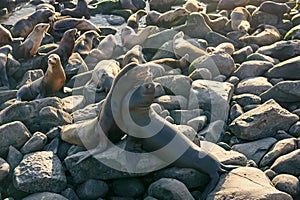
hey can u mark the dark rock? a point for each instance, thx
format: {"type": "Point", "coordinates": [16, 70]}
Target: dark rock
{"type": "Point", "coordinates": [287, 183]}
{"type": "Point", "coordinates": [262, 57]}
{"type": "Point", "coordinates": [92, 189]}
{"type": "Point", "coordinates": [7, 95]}
{"type": "Point", "coordinates": [183, 116]}
{"type": "Point", "coordinates": [252, 68]}
{"type": "Point", "coordinates": [45, 196]}
{"type": "Point", "coordinates": [246, 99]}
{"type": "Point", "coordinates": [14, 157]}
{"type": "Point", "coordinates": [4, 169]}
{"type": "Point", "coordinates": [69, 193]}
{"type": "Point", "coordinates": [288, 164]}
{"type": "Point", "coordinates": [235, 111]}
{"type": "Point", "coordinates": [128, 187]}
{"type": "Point", "coordinates": [240, 55]}
{"type": "Point", "coordinates": [35, 143]}
{"type": "Point", "coordinates": [295, 129]}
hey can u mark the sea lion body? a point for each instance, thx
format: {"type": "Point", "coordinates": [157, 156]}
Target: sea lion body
{"type": "Point", "coordinates": [24, 26]}
{"type": "Point", "coordinates": [240, 19]}
{"type": "Point", "coordinates": [79, 24]}
{"type": "Point", "coordinates": [217, 24]}
{"type": "Point", "coordinates": [81, 10]}
{"type": "Point", "coordinates": [5, 36]}
{"type": "Point", "coordinates": [33, 41]}
{"type": "Point", "coordinates": [133, 20]}
{"type": "Point", "coordinates": [170, 63]}
{"type": "Point", "coordinates": [84, 44]}
{"type": "Point", "coordinates": [4, 51]}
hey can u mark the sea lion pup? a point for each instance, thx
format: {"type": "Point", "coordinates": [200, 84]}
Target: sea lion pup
{"type": "Point", "coordinates": [84, 44]}
{"type": "Point", "coordinates": [5, 36]}
{"type": "Point", "coordinates": [134, 55]}
{"type": "Point", "coordinates": [263, 35]}
{"type": "Point", "coordinates": [53, 81]}
{"type": "Point", "coordinates": [25, 25]}
{"type": "Point", "coordinates": [278, 9]}
{"type": "Point", "coordinates": [33, 41]}
{"type": "Point", "coordinates": [217, 24]}
{"type": "Point", "coordinates": [4, 51]}
{"type": "Point", "coordinates": [104, 51]}
{"type": "Point", "coordinates": [69, 23]}
{"type": "Point", "coordinates": [133, 20]}
{"type": "Point", "coordinates": [171, 63]}
{"type": "Point", "coordinates": [81, 10]}
{"type": "Point", "coordinates": [182, 47]}
{"type": "Point", "coordinates": [167, 19]}
{"type": "Point", "coordinates": [240, 19]}
{"type": "Point", "coordinates": [194, 6]}
{"type": "Point", "coordinates": [130, 38]}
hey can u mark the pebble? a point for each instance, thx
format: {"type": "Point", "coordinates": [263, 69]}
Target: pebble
{"type": "Point", "coordinates": [92, 189]}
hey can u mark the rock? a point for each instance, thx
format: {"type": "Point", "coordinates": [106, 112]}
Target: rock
{"type": "Point", "coordinates": [92, 189]}
{"type": "Point", "coordinates": [231, 4]}
{"type": "Point", "coordinates": [30, 76]}
{"type": "Point", "coordinates": [7, 95]}
{"type": "Point", "coordinates": [190, 177]}
{"type": "Point", "coordinates": [252, 68]}
{"type": "Point", "coordinates": [73, 103]}
{"type": "Point", "coordinates": [246, 183]}
{"type": "Point", "coordinates": [168, 188]}
{"type": "Point", "coordinates": [260, 17]}
{"type": "Point", "coordinates": [255, 150]}
{"type": "Point", "coordinates": [295, 129]}
{"type": "Point", "coordinates": [75, 65]}
{"type": "Point", "coordinates": [45, 196]}
{"type": "Point", "coordinates": [13, 134]}
{"type": "Point", "coordinates": [28, 112]}
{"type": "Point", "coordinates": [35, 143]}
{"type": "Point", "coordinates": [260, 122]}
{"type": "Point", "coordinates": [213, 131]}
{"type": "Point", "coordinates": [281, 148]}
{"type": "Point", "coordinates": [183, 116]}
{"type": "Point", "coordinates": [293, 33]}
{"type": "Point", "coordinates": [220, 78]}
{"type": "Point", "coordinates": [172, 102]}
{"type": "Point", "coordinates": [246, 99]}
{"type": "Point", "coordinates": [233, 80]}
{"type": "Point", "coordinates": [175, 84]}
{"type": "Point", "coordinates": [255, 86]}
{"type": "Point", "coordinates": [80, 79]}
{"type": "Point", "coordinates": [198, 123]}
{"type": "Point", "coordinates": [69, 193]}
{"type": "Point", "coordinates": [262, 57]}
{"type": "Point", "coordinates": [115, 20]}
{"type": "Point", "coordinates": [4, 169]}
{"type": "Point", "coordinates": [287, 183]}
{"type": "Point", "coordinates": [89, 112]}
{"type": "Point", "coordinates": [128, 187]}
{"type": "Point", "coordinates": [212, 96]}
{"type": "Point", "coordinates": [14, 157]}
{"type": "Point", "coordinates": [201, 73]}
{"type": "Point", "coordinates": [288, 164]}
{"type": "Point", "coordinates": [235, 111]}
{"type": "Point", "coordinates": [240, 55]}
{"type": "Point", "coordinates": [285, 69]}
{"type": "Point", "coordinates": [53, 117]}
{"type": "Point", "coordinates": [270, 174]}
{"type": "Point", "coordinates": [188, 131]}
{"type": "Point", "coordinates": [285, 91]}
{"type": "Point", "coordinates": [39, 172]}
{"type": "Point", "coordinates": [217, 63]}
{"type": "Point", "coordinates": [216, 39]}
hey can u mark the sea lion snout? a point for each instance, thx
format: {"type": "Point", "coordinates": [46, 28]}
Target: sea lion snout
{"type": "Point", "coordinates": [53, 58]}
{"type": "Point", "coordinates": [148, 88]}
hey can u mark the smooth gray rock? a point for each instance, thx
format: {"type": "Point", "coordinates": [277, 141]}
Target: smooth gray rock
{"type": "Point", "coordinates": [183, 116]}
{"type": "Point", "coordinates": [235, 111]}
{"type": "Point", "coordinates": [128, 187]}
{"type": "Point", "coordinates": [45, 196]}
{"type": "Point", "coordinates": [35, 143]}
{"type": "Point", "coordinates": [172, 102]}
{"type": "Point", "coordinates": [255, 150]}
{"type": "Point", "coordinates": [240, 55]}
{"type": "Point", "coordinates": [287, 183]}
{"type": "Point", "coordinates": [262, 57]}
{"type": "Point", "coordinates": [92, 189]}
{"type": "Point", "coordinates": [288, 164]}
{"type": "Point", "coordinates": [263, 121]}
{"type": "Point", "coordinates": [14, 157]}
{"type": "Point", "coordinates": [73, 103]}
{"type": "Point", "coordinates": [39, 172]}
{"type": "Point", "coordinates": [258, 186]}
{"type": "Point", "coordinates": [295, 129]}
{"type": "Point", "coordinates": [252, 68]}
{"type": "Point", "coordinates": [198, 123]}
{"type": "Point", "coordinates": [13, 134]}
{"type": "Point", "coordinates": [89, 112]}
{"type": "Point", "coordinates": [213, 131]}
{"type": "Point", "coordinates": [255, 85]}
{"type": "Point", "coordinates": [7, 95]}
{"type": "Point", "coordinates": [168, 188]}
{"type": "Point", "coordinates": [188, 131]}
{"type": "Point", "coordinates": [201, 73]}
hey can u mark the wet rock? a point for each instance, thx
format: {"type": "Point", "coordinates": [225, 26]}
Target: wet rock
{"type": "Point", "coordinates": [255, 86]}
{"type": "Point", "coordinates": [295, 129]}
{"type": "Point", "coordinates": [14, 157]}
{"type": "Point", "coordinates": [285, 69]}
{"type": "Point", "coordinates": [287, 164]}
{"type": "Point", "coordinates": [263, 121]}
{"type": "Point", "coordinates": [258, 186]}
{"type": "Point", "coordinates": [13, 134]}
{"type": "Point", "coordinates": [183, 116]}
{"type": "Point", "coordinates": [255, 150]}
{"type": "Point", "coordinates": [45, 196]}
{"type": "Point", "coordinates": [252, 68]}
{"type": "Point", "coordinates": [285, 91]}
{"type": "Point", "coordinates": [287, 183]}
{"type": "Point", "coordinates": [38, 172]}
{"type": "Point", "coordinates": [92, 189]}
{"type": "Point", "coordinates": [282, 147]}
{"type": "Point", "coordinates": [172, 102]}
{"type": "Point", "coordinates": [4, 169]}
{"type": "Point", "coordinates": [213, 131]}
{"type": "Point", "coordinates": [213, 96]}
{"type": "Point", "coordinates": [35, 143]}
{"type": "Point", "coordinates": [167, 188]}
{"type": "Point", "coordinates": [128, 187]}
{"type": "Point", "coordinates": [246, 99]}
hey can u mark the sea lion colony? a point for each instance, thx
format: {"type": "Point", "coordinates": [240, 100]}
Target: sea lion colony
{"type": "Point", "coordinates": [202, 63]}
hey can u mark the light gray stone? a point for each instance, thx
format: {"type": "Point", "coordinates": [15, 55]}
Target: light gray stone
{"type": "Point", "coordinates": [198, 123]}
{"type": "Point", "coordinates": [172, 102]}
{"type": "Point", "coordinates": [255, 86]}
{"type": "Point", "coordinates": [252, 68]}
{"type": "Point", "coordinates": [183, 116]}
{"type": "Point", "coordinates": [213, 131]}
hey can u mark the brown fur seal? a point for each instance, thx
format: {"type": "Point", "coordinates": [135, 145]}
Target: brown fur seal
{"type": "Point", "coordinates": [80, 24]}
{"type": "Point", "coordinates": [217, 24]}
{"type": "Point", "coordinates": [225, 46]}
{"type": "Point", "coordinates": [264, 35]}
{"type": "Point", "coordinates": [4, 51]}
{"type": "Point", "coordinates": [240, 19]}
{"type": "Point", "coordinates": [130, 38]}
{"type": "Point", "coordinates": [104, 51]}
{"type": "Point", "coordinates": [133, 20]}
{"type": "Point", "coordinates": [171, 63]}
{"type": "Point", "coordinates": [33, 41]}
{"type": "Point", "coordinates": [84, 44]}
{"type": "Point", "coordinates": [53, 81]}
{"type": "Point", "coordinates": [5, 36]}
{"type": "Point", "coordinates": [25, 25]}
{"type": "Point", "coordinates": [194, 6]}
{"type": "Point", "coordinates": [167, 19]}
{"type": "Point", "coordinates": [278, 9]}
{"type": "Point", "coordinates": [81, 10]}
{"type": "Point", "coordinates": [134, 55]}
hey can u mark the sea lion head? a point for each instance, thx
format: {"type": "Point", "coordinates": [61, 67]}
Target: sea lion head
{"type": "Point", "coordinates": [42, 27]}
{"type": "Point", "coordinates": [53, 62]}
{"type": "Point", "coordinates": [143, 96]}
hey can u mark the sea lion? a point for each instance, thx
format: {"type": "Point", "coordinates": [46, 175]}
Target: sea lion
{"type": "Point", "coordinates": [25, 25]}
{"type": "Point", "coordinates": [134, 55]}
{"type": "Point", "coordinates": [171, 63]}
{"type": "Point", "coordinates": [167, 19]}
{"type": "Point", "coordinates": [104, 51]}
{"type": "Point", "coordinates": [5, 36]}
{"type": "Point", "coordinates": [194, 6]}
{"type": "Point", "coordinates": [278, 9]}
{"type": "Point", "coordinates": [81, 10]}
{"type": "Point", "coordinates": [133, 20]}
{"type": "Point", "coordinates": [80, 24]}
{"type": "Point", "coordinates": [84, 44]}
{"type": "Point", "coordinates": [133, 5]}
{"type": "Point", "coordinates": [30, 46]}
{"type": "Point", "coordinates": [4, 51]}
{"type": "Point", "coordinates": [217, 24]}
{"type": "Point", "coordinates": [225, 46]}
{"type": "Point", "coordinates": [262, 36]}
{"type": "Point", "coordinates": [240, 19]}
{"type": "Point", "coordinates": [53, 81]}
{"type": "Point", "coordinates": [130, 38]}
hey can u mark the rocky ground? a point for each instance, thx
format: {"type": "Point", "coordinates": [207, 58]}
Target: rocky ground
{"type": "Point", "coordinates": [240, 102]}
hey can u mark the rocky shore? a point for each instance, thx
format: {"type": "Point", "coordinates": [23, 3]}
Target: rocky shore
{"type": "Point", "coordinates": [226, 74]}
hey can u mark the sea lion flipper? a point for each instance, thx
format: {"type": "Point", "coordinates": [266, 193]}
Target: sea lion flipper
{"type": "Point", "coordinates": [132, 154]}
